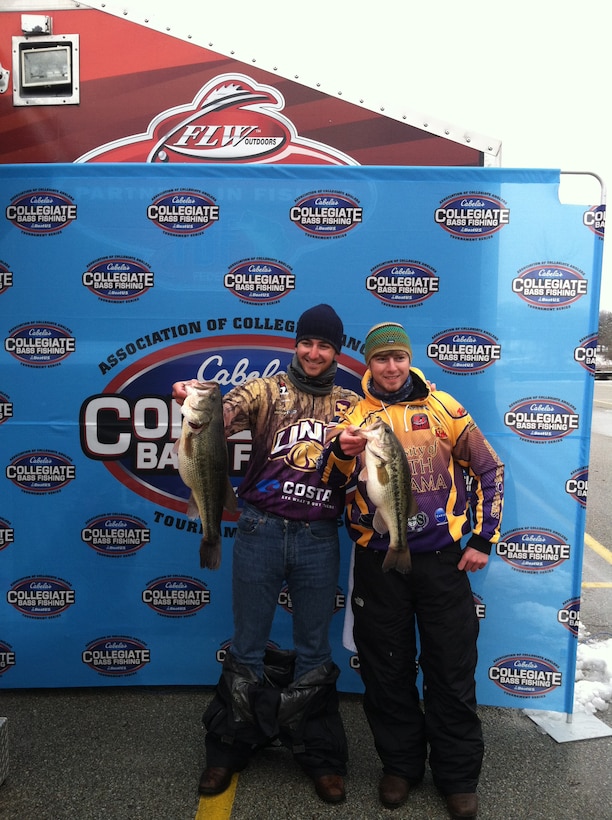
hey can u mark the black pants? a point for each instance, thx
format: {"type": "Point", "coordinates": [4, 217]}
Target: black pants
{"type": "Point", "coordinates": [247, 713]}
{"type": "Point", "coordinates": [388, 607]}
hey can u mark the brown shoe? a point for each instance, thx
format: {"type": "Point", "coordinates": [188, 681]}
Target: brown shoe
{"type": "Point", "coordinates": [393, 791]}
{"type": "Point", "coordinates": [461, 806]}
{"type": "Point", "coordinates": [214, 780]}
{"type": "Point", "coordinates": [330, 788]}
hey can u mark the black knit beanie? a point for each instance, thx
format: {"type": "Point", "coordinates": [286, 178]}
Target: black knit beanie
{"type": "Point", "coordinates": [321, 322]}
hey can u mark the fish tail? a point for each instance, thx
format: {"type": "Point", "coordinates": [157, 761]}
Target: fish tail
{"type": "Point", "coordinates": [210, 554]}
{"type": "Point", "coordinates": [397, 560]}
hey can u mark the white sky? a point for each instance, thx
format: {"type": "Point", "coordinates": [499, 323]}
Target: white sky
{"type": "Point", "coordinates": [534, 74]}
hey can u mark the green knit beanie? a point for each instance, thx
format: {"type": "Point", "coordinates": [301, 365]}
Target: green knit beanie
{"type": "Point", "coordinates": [385, 337]}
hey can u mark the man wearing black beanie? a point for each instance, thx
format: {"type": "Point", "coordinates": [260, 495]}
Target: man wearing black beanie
{"type": "Point", "coordinates": [287, 531]}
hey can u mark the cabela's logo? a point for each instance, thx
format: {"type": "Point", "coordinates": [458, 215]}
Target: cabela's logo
{"type": "Point", "coordinates": [183, 213]}
{"type": "Point", "coordinates": [595, 219]}
{"type": "Point", "coordinates": [578, 485]}
{"type": "Point", "coordinates": [259, 280]}
{"type": "Point", "coordinates": [6, 277]}
{"type": "Point", "coordinates": [118, 279]}
{"type": "Point", "coordinates": [326, 214]}
{"type": "Point", "coordinates": [464, 350]}
{"type": "Point", "coordinates": [116, 534]}
{"type": "Point", "coordinates": [133, 426]}
{"type": "Point", "coordinates": [41, 471]}
{"type": "Point", "coordinates": [525, 675]}
{"type": "Point", "coordinates": [116, 656]}
{"type": "Point", "coordinates": [41, 212]}
{"type": "Point", "coordinates": [550, 285]}
{"type": "Point", "coordinates": [232, 119]}
{"type": "Point", "coordinates": [176, 596]}
{"type": "Point", "coordinates": [586, 353]}
{"type": "Point", "coordinates": [402, 282]}
{"type": "Point", "coordinates": [472, 215]}
{"type": "Point", "coordinates": [533, 549]}
{"type": "Point", "coordinates": [542, 419]}
{"type": "Point", "coordinates": [40, 597]}
{"type": "Point", "coordinates": [40, 344]}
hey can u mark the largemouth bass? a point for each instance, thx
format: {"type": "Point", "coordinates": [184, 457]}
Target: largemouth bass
{"type": "Point", "coordinates": [388, 481]}
{"type": "Point", "coordinates": [203, 466]}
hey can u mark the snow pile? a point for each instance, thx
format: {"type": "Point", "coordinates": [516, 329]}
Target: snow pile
{"type": "Point", "coordinates": [593, 682]}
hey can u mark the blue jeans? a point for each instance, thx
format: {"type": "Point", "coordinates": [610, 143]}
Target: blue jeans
{"type": "Point", "coordinates": [267, 551]}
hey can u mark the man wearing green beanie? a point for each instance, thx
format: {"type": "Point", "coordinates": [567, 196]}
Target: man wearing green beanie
{"type": "Point", "coordinates": [443, 445]}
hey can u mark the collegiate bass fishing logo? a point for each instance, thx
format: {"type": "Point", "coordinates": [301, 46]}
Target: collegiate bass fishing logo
{"type": "Point", "coordinates": [41, 212]}
{"type": "Point", "coordinates": [232, 119]}
{"type": "Point", "coordinates": [176, 596]}
{"type": "Point", "coordinates": [41, 471]}
{"type": "Point", "coordinates": [183, 213]}
{"type": "Point", "coordinates": [326, 214]}
{"type": "Point", "coordinates": [473, 215]}
{"type": "Point", "coordinates": [550, 285]}
{"type": "Point", "coordinates": [6, 408]}
{"type": "Point", "coordinates": [116, 656]}
{"type": "Point", "coordinates": [464, 350]}
{"type": "Point", "coordinates": [403, 283]}
{"type": "Point", "coordinates": [259, 280]}
{"type": "Point", "coordinates": [41, 596]}
{"type": "Point", "coordinates": [595, 220]}
{"type": "Point", "coordinates": [578, 485]}
{"type": "Point", "coordinates": [7, 657]}
{"type": "Point", "coordinates": [569, 616]}
{"type": "Point", "coordinates": [586, 353]}
{"type": "Point", "coordinates": [7, 533]}
{"type": "Point", "coordinates": [6, 278]}
{"type": "Point", "coordinates": [542, 419]}
{"type": "Point", "coordinates": [118, 279]}
{"type": "Point", "coordinates": [116, 534]}
{"type": "Point", "coordinates": [40, 344]}
{"type": "Point", "coordinates": [533, 550]}
{"type": "Point", "coordinates": [525, 676]}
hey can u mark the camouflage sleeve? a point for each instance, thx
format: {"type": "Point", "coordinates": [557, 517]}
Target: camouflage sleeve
{"type": "Point", "coordinates": [240, 407]}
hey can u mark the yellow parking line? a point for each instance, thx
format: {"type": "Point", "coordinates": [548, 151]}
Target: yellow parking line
{"type": "Point", "coordinates": [602, 551]}
{"type": "Point", "coordinates": [596, 585]}
{"type": "Point", "coordinates": [219, 806]}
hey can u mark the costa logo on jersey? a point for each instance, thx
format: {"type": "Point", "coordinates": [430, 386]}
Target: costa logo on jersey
{"type": "Point", "coordinates": [41, 212]}
{"type": "Point", "coordinates": [472, 216]}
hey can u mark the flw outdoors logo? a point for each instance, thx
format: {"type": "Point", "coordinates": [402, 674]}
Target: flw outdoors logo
{"type": "Point", "coordinates": [231, 119]}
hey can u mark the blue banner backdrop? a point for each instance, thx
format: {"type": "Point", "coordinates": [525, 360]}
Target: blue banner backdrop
{"type": "Point", "coordinates": [117, 280]}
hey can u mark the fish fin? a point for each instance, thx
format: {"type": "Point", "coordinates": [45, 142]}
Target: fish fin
{"type": "Point", "coordinates": [230, 502]}
{"type": "Point", "coordinates": [400, 561]}
{"type": "Point", "coordinates": [413, 507]}
{"type": "Point", "coordinates": [363, 474]}
{"type": "Point", "coordinates": [379, 523]}
{"type": "Point", "coordinates": [192, 508]}
{"type": "Point", "coordinates": [210, 554]}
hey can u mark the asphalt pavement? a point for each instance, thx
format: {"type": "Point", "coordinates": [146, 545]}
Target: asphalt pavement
{"type": "Point", "coordinates": [135, 753]}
